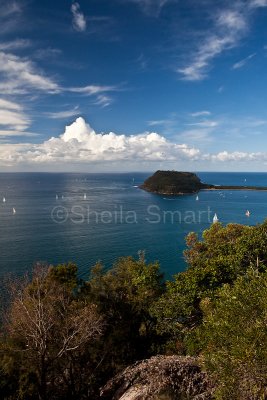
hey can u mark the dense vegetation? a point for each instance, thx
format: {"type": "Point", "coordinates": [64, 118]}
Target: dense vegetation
{"type": "Point", "coordinates": [173, 182]}
{"type": "Point", "coordinates": [65, 338]}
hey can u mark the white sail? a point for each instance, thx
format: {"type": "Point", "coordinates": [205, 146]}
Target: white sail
{"type": "Point", "coordinates": [84, 196]}
{"type": "Point", "coordinates": [14, 210]}
{"type": "Point", "coordinates": [4, 199]}
{"type": "Point", "coordinates": [215, 218]}
{"type": "Point", "coordinates": [247, 213]}
{"type": "Point", "coordinates": [56, 197]}
{"type": "Point", "coordinates": [197, 198]}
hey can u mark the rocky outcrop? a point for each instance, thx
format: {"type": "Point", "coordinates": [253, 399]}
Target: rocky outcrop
{"type": "Point", "coordinates": [173, 182]}
{"type": "Point", "coordinates": [160, 377]}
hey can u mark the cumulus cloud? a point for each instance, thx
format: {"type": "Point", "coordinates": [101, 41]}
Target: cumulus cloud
{"type": "Point", "coordinates": [78, 18]}
{"type": "Point", "coordinates": [81, 144]}
{"type": "Point", "coordinates": [225, 156]}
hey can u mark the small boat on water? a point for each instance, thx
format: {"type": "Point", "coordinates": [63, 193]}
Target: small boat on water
{"type": "Point", "coordinates": [215, 218]}
{"type": "Point", "coordinates": [4, 199]}
{"type": "Point", "coordinates": [197, 198]}
{"type": "Point", "coordinates": [56, 197]}
{"type": "Point", "coordinates": [247, 213]}
{"type": "Point", "coordinates": [14, 210]}
{"type": "Point", "coordinates": [84, 196]}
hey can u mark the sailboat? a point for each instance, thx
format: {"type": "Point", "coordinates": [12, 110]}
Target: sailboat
{"type": "Point", "coordinates": [84, 196]}
{"type": "Point", "coordinates": [247, 213]}
{"type": "Point", "coordinates": [14, 210]}
{"type": "Point", "coordinates": [56, 197]}
{"type": "Point", "coordinates": [4, 199]}
{"type": "Point", "coordinates": [197, 198]}
{"type": "Point", "coordinates": [215, 218]}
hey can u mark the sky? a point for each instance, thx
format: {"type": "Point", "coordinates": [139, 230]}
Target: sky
{"type": "Point", "coordinates": [133, 85]}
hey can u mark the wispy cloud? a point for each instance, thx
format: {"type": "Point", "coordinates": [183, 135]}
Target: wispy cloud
{"type": "Point", "coordinates": [19, 74]}
{"type": "Point", "coordinates": [257, 3]}
{"type": "Point", "coordinates": [13, 117]}
{"type": "Point", "coordinates": [103, 100]}
{"type": "Point", "coordinates": [228, 28]}
{"type": "Point", "coordinates": [159, 122]}
{"type": "Point", "coordinates": [63, 114]}
{"type": "Point", "coordinates": [15, 44]}
{"type": "Point", "coordinates": [10, 133]}
{"type": "Point", "coordinates": [78, 18]}
{"type": "Point", "coordinates": [205, 124]}
{"type": "Point", "coordinates": [203, 113]}
{"type": "Point", "coordinates": [152, 8]}
{"type": "Point", "coordinates": [9, 13]}
{"type": "Point", "coordinates": [243, 62]}
{"type": "Point", "coordinates": [93, 89]}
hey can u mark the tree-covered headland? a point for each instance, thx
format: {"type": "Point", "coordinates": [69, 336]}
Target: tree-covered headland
{"type": "Point", "coordinates": [201, 335]}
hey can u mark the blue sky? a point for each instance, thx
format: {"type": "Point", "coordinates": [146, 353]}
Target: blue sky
{"type": "Point", "coordinates": [128, 85]}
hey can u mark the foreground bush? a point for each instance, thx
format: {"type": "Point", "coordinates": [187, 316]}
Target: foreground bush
{"type": "Point", "coordinates": [234, 334]}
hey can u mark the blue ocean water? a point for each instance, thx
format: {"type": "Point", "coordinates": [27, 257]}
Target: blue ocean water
{"type": "Point", "coordinates": [89, 217]}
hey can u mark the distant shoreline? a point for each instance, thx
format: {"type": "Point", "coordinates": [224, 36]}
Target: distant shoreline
{"type": "Point", "coordinates": [223, 187]}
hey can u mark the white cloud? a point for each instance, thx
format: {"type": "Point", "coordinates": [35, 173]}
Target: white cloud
{"type": "Point", "coordinates": [78, 21]}
{"type": "Point", "coordinates": [80, 144]}
{"type": "Point", "coordinates": [10, 133]}
{"type": "Point", "coordinates": [229, 27]}
{"type": "Point", "coordinates": [63, 114]}
{"type": "Point", "coordinates": [258, 3]}
{"type": "Point", "coordinates": [15, 44]}
{"type": "Point", "coordinates": [9, 105]}
{"type": "Point", "coordinates": [243, 62]}
{"type": "Point", "coordinates": [12, 116]}
{"type": "Point", "coordinates": [236, 156]}
{"type": "Point", "coordinates": [200, 113]}
{"type": "Point", "coordinates": [21, 74]}
{"type": "Point", "coordinates": [205, 124]}
{"type": "Point", "coordinates": [103, 100]}
{"type": "Point", "coordinates": [158, 122]}
{"type": "Point", "coordinates": [92, 89]}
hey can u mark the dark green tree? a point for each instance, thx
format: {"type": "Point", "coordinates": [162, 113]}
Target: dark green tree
{"type": "Point", "coordinates": [124, 294]}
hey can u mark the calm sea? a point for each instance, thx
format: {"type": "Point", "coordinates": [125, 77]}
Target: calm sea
{"type": "Point", "coordinates": [89, 217]}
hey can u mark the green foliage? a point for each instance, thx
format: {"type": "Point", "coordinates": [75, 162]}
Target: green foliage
{"type": "Point", "coordinates": [125, 294]}
{"type": "Point", "coordinates": [223, 254]}
{"type": "Point", "coordinates": [234, 338]}
{"type": "Point", "coordinates": [64, 338]}
{"type": "Point", "coordinates": [64, 274]}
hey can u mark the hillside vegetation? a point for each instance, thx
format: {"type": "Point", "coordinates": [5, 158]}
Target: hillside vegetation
{"type": "Point", "coordinates": [126, 330]}
{"type": "Point", "coordinates": [173, 182]}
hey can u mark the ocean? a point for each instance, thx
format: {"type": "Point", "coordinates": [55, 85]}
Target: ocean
{"type": "Point", "coordinates": [85, 218]}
